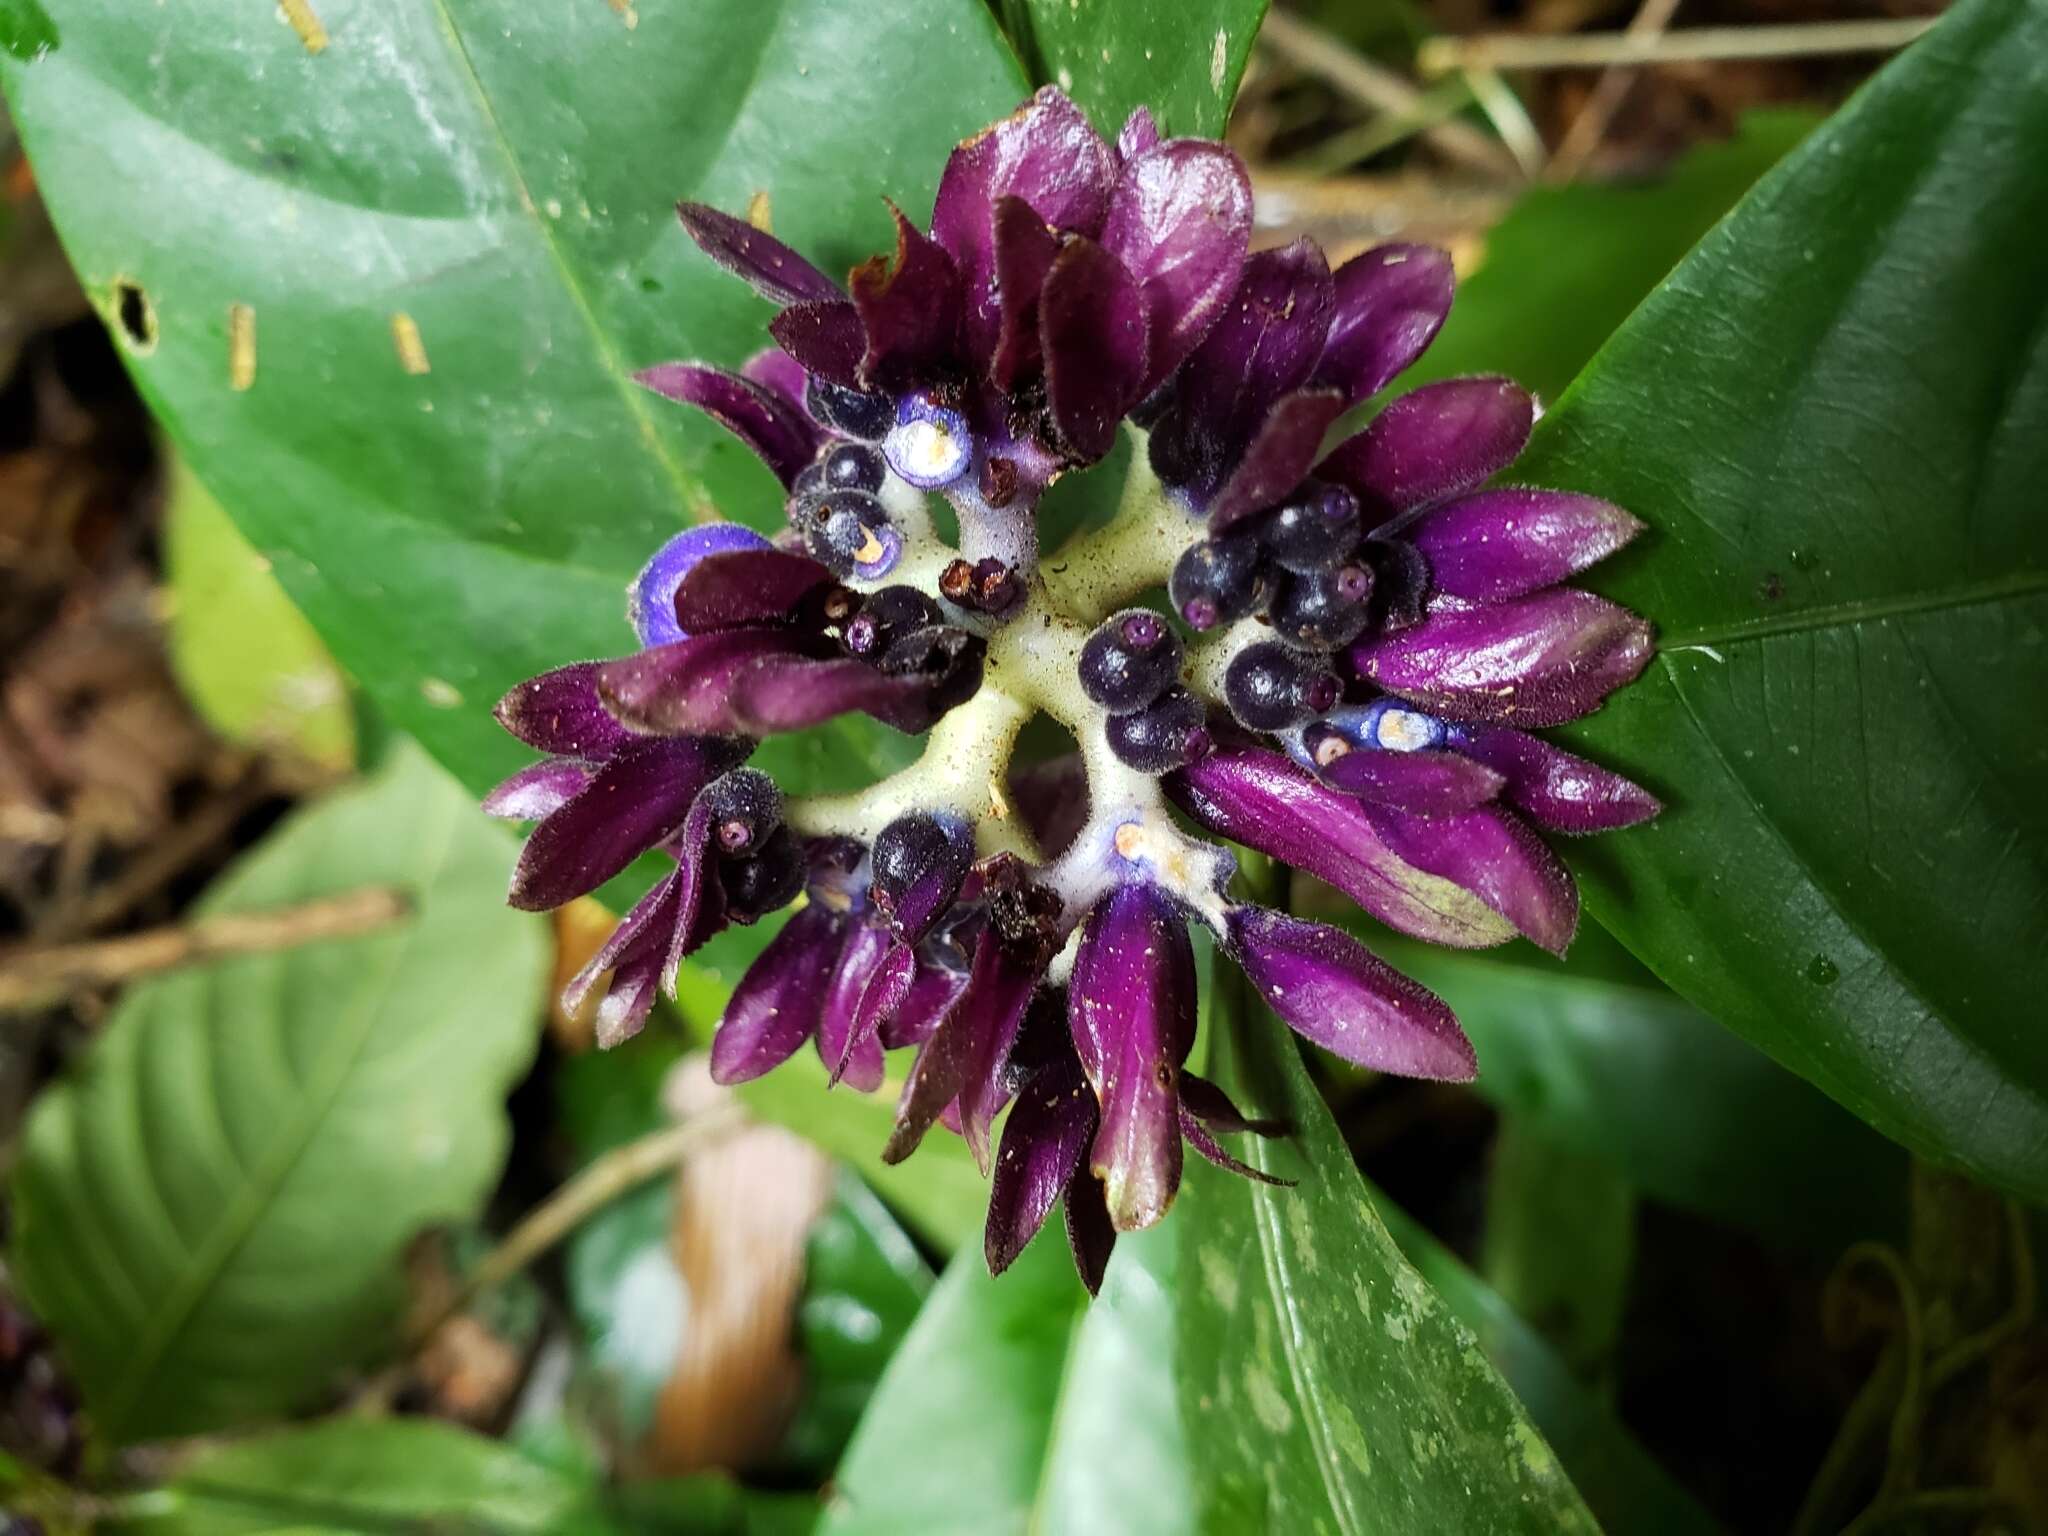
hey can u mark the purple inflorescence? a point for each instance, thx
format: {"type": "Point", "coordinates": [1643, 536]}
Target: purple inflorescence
{"type": "Point", "coordinates": [1372, 633]}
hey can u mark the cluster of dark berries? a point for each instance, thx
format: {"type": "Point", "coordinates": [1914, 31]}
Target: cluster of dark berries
{"type": "Point", "coordinates": [1131, 666]}
{"type": "Point", "coordinates": [1308, 567]}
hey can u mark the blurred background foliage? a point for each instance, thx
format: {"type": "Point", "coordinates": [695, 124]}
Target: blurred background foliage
{"type": "Point", "coordinates": [334, 1222]}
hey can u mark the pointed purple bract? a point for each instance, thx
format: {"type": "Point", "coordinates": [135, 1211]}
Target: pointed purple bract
{"type": "Point", "coordinates": [779, 432]}
{"type": "Point", "coordinates": [1331, 990]}
{"type": "Point", "coordinates": [1499, 859]}
{"type": "Point", "coordinates": [688, 686]}
{"type": "Point", "coordinates": [774, 369]}
{"type": "Point", "coordinates": [826, 339]}
{"type": "Point", "coordinates": [1532, 661]}
{"type": "Point", "coordinates": [1428, 783]}
{"type": "Point", "coordinates": [1180, 221]}
{"type": "Point", "coordinates": [1091, 333]}
{"type": "Point", "coordinates": [775, 1008]}
{"type": "Point", "coordinates": [792, 693]}
{"type": "Point", "coordinates": [1139, 133]}
{"type": "Point", "coordinates": [911, 310]}
{"type": "Point", "coordinates": [774, 270]}
{"type": "Point", "coordinates": [1281, 453]}
{"type": "Point", "coordinates": [1259, 798]}
{"type": "Point", "coordinates": [643, 933]}
{"type": "Point", "coordinates": [1090, 1236]}
{"type": "Point", "coordinates": [1046, 155]}
{"type": "Point", "coordinates": [1025, 250]}
{"type": "Point", "coordinates": [1505, 543]}
{"type": "Point", "coordinates": [561, 712]}
{"type": "Point", "coordinates": [1391, 302]}
{"type": "Point", "coordinates": [640, 796]}
{"type": "Point", "coordinates": [1433, 443]}
{"type": "Point", "coordinates": [1559, 791]}
{"type": "Point", "coordinates": [1131, 1011]}
{"type": "Point", "coordinates": [847, 1051]}
{"type": "Point", "coordinates": [932, 993]}
{"type": "Point", "coordinates": [751, 584]}
{"type": "Point", "coordinates": [1263, 346]}
{"type": "Point", "coordinates": [1043, 1143]}
{"type": "Point", "coordinates": [538, 790]}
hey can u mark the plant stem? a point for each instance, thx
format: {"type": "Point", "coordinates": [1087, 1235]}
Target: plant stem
{"type": "Point", "coordinates": [1514, 50]}
{"type": "Point", "coordinates": [36, 976]}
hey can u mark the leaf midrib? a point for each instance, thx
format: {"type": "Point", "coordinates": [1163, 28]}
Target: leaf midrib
{"type": "Point", "coordinates": [1997, 589]}
{"type": "Point", "coordinates": [1279, 1283]}
{"type": "Point", "coordinates": [688, 493]}
{"type": "Point", "coordinates": [242, 1214]}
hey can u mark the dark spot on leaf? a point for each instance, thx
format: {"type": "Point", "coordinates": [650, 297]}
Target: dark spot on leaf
{"type": "Point", "coordinates": [1772, 587]}
{"type": "Point", "coordinates": [135, 315]}
{"type": "Point", "coordinates": [1823, 971]}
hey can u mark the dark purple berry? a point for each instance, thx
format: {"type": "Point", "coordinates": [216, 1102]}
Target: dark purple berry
{"type": "Point", "coordinates": [1400, 581]}
{"type": "Point", "coordinates": [854, 467]}
{"type": "Point", "coordinates": [886, 616]}
{"type": "Point", "coordinates": [1321, 610]}
{"type": "Point", "coordinates": [1131, 659]}
{"type": "Point", "coordinates": [1315, 530]}
{"type": "Point", "coordinates": [1218, 580]}
{"type": "Point", "coordinates": [741, 809]}
{"type": "Point", "coordinates": [766, 882]}
{"type": "Point", "coordinates": [810, 480]}
{"type": "Point", "coordinates": [1271, 688]}
{"type": "Point", "coordinates": [852, 411]}
{"type": "Point", "coordinates": [1168, 733]}
{"type": "Point", "coordinates": [847, 532]}
{"type": "Point", "coordinates": [919, 865]}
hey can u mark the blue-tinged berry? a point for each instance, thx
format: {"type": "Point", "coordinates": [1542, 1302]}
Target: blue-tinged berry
{"type": "Point", "coordinates": [849, 533]}
{"type": "Point", "coordinates": [854, 467]}
{"type": "Point", "coordinates": [931, 445]}
{"type": "Point", "coordinates": [651, 600]}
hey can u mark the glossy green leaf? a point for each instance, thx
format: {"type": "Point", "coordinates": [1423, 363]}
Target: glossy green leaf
{"type": "Point", "coordinates": [1562, 271]}
{"type": "Point", "coordinates": [352, 1476]}
{"type": "Point", "coordinates": [939, 1191]}
{"type": "Point", "coordinates": [447, 237]}
{"type": "Point", "coordinates": [1181, 58]}
{"type": "Point", "coordinates": [1603, 1060]}
{"type": "Point", "coordinates": [864, 1281]}
{"type": "Point", "coordinates": [210, 1213]}
{"type": "Point", "coordinates": [1624, 1487]}
{"type": "Point", "coordinates": [1325, 1385]}
{"type": "Point", "coordinates": [1016, 1406]}
{"type": "Point", "coordinates": [1834, 417]}
{"type": "Point", "coordinates": [1560, 1242]}
{"type": "Point", "coordinates": [244, 656]}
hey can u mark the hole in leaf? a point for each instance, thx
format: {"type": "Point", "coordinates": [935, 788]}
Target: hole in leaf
{"type": "Point", "coordinates": [135, 316]}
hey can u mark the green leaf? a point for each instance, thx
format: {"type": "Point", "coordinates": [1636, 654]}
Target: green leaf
{"type": "Point", "coordinates": [1016, 1405]}
{"type": "Point", "coordinates": [1560, 1243]}
{"type": "Point", "coordinates": [1833, 417]}
{"type": "Point", "coordinates": [351, 1476]}
{"type": "Point", "coordinates": [1562, 271]}
{"type": "Point", "coordinates": [245, 657]}
{"type": "Point", "coordinates": [1624, 1487]}
{"type": "Point", "coordinates": [210, 1212]}
{"type": "Point", "coordinates": [938, 1191]}
{"type": "Point", "coordinates": [864, 1281]}
{"type": "Point", "coordinates": [1324, 1383]}
{"type": "Point", "coordinates": [1181, 58]}
{"type": "Point", "coordinates": [1603, 1060]}
{"type": "Point", "coordinates": [501, 182]}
